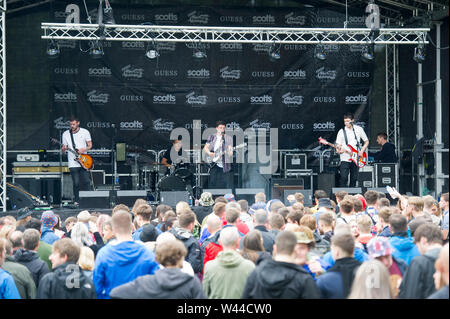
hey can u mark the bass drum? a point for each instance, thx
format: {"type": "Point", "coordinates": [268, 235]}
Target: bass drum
{"type": "Point", "coordinates": [171, 183]}
{"type": "Point", "coordinates": [183, 173]}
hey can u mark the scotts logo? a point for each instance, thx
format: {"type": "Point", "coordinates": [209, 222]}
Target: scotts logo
{"type": "Point", "coordinates": [198, 74]}
{"type": "Point", "coordinates": [321, 74]}
{"type": "Point", "coordinates": [196, 100]}
{"type": "Point", "coordinates": [295, 75]}
{"type": "Point", "coordinates": [133, 45]}
{"type": "Point", "coordinates": [67, 44]}
{"type": "Point", "coordinates": [132, 126]}
{"type": "Point", "coordinates": [60, 124]}
{"type": "Point", "coordinates": [293, 126]}
{"type": "Point", "coordinates": [98, 124]}
{"type": "Point", "coordinates": [160, 125]}
{"type": "Point", "coordinates": [358, 48]}
{"type": "Point", "coordinates": [358, 74]}
{"type": "Point", "coordinates": [263, 74]}
{"type": "Point", "coordinates": [132, 98]}
{"type": "Point", "coordinates": [263, 19]}
{"type": "Point", "coordinates": [357, 20]}
{"type": "Point", "coordinates": [233, 126]}
{"type": "Point", "coordinates": [292, 19]}
{"type": "Point", "coordinates": [169, 17]}
{"type": "Point", "coordinates": [231, 47]}
{"type": "Point", "coordinates": [324, 99]}
{"type": "Point", "coordinates": [227, 74]}
{"type": "Point", "coordinates": [68, 97]}
{"type": "Point", "coordinates": [324, 126]}
{"type": "Point", "coordinates": [166, 73]}
{"type": "Point", "coordinates": [166, 46]}
{"type": "Point", "coordinates": [66, 71]}
{"type": "Point", "coordinates": [100, 72]}
{"type": "Point", "coordinates": [133, 17]}
{"type": "Point", "coordinates": [261, 47]}
{"type": "Point", "coordinates": [233, 19]}
{"type": "Point", "coordinates": [98, 97]}
{"type": "Point", "coordinates": [265, 99]}
{"type": "Point", "coordinates": [130, 72]}
{"type": "Point", "coordinates": [193, 17]}
{"type": "Point", "coordinates": [257, 124]}
{"type": "Point", "coordinates": [293, 100]}
{"type": "Point", "coordinates": [229, 99]}
{"type": "Point", "coordinates": [164, 99]}
{"type": "Point", "coordinates": [356, 99]}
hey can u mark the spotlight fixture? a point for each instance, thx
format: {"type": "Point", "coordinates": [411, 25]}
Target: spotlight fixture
{"type": "Point", "coordinates": [152, 51]}
{"type": "Point", "coordinates": [320, 53]}
{"type": "Point", "coordinates": [368, 55]}
{"type": "Point", "coordinates": [274, 53]}
{"type": "Point", "coordinates": [419, 54]}
{"type": "Point", "coordinates": [199, 52]}
{"type": "Point", "coordinates": [52, 49]}
{"type": "Point", "coordinates": [96, 50]}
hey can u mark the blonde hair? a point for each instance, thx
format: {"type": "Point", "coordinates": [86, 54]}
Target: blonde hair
{"type": "Point", "coordinates": [86, 261]}
{"type": "Point", "coordinates": [180, 207]}
{"type": "Point", "coordinates": [364, 223]}
{"type": "Point", "coordinates": [371, 282]}
{"type": "Point", "coordinates": [6, 231]}
{"type": "Point", "coordinates": [80, 235]}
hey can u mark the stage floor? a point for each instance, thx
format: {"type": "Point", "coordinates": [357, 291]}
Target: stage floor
{"type": "Point", "coordinates": [63, 212]}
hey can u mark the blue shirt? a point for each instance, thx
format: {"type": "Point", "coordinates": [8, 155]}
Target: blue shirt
{"type": "Point", "coordinates": [137, 233]}
{"type": "Point", "coordinates": [327, 260]}
{"type": "Point", "coordinates": [8, 289]}
{"type": "Point", "coordinates": [118, 264]}
{"type": "Point", "coordinates": [48, 236]}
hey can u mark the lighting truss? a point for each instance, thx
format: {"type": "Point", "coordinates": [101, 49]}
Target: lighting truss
{"type": "Point", "coordinates": [2, 107]}
{"type": "Point", "coordinates": [66, 31]}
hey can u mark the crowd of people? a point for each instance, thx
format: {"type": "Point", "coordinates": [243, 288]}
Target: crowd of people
{"type": "Point", "coordinates": [361, 246]}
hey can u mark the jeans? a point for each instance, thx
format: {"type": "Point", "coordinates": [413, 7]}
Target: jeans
{"type": "Point", "coordinates": [347, 168]}
{"type": "Point", "coordinates": [81, 181]}
{"type": "Point", "coordinates": [219, 179]}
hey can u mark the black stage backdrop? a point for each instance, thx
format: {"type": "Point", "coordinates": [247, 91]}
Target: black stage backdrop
{"type": "Point", "coordinates": [145, 99]}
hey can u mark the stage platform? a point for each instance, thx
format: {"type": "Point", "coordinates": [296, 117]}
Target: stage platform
{"type": "Point", "coordinates": [63, 212]}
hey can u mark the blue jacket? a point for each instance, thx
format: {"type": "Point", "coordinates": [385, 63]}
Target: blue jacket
{"type": "Point", "coordinates": [48, 236]}
{"type": "Point", "coordinates": [327, 260]}
{"type": "Point", "coordinates": [330, 285]}
{"type": "Point", "coordinates": [8, 289]}
{"type": "Point", "coordinates": [403, 248]}
{"type": "Point", "coordinates": [118, 264]}
{"type": "Point", "coordinates": [386, 232]}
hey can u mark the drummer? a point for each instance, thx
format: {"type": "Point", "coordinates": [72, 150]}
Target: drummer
{"type": "Point", "coordinates": [173, 156]}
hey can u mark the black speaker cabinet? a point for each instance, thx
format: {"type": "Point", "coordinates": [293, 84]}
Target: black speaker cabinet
{"type": "Point", "coordinates": [129, 197]}
{"type": "Point", "coordinates": [94, 199]}
{"type": "Point", "coordinates": [326, 182]}
{"type": "Point", "coordinates": [279, 185]}
{"type": "Point", "coordinates": [172, 198]}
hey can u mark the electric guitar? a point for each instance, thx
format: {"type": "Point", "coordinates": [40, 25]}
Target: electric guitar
{"type": "Point", "coordinates": [86, 161]}
{"type": "Point", "coordinates": [211, 161]}
{"type": "Point", "coordinates": [360, 161]}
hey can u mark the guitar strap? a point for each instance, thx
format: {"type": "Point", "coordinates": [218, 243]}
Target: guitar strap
{"type": "Point", "coordinates": [73, 142]}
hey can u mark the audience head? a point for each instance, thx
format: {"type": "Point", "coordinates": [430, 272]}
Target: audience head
{"type": "Point", "coordinates": [365, 287]}
{"type": "Point", "coordinates": [64, 251]}
{"type": "Point", "coordinates": [31, 238]}
{"type": "Point", "coordinates": [229, 238]}
{"type": "Point", "coordinates": [170, 253]}
{"type": "Point", "coordinates": [426, 236]}
{"type": "Point", "coordinates": [276, 221]}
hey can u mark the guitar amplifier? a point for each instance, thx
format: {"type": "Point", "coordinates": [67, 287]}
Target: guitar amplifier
{"type": "Point", "coordinates": [27, 158]}
{"type": "Point", "coordinates": [386, 174]}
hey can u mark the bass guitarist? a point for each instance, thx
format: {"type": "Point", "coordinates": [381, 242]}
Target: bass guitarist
{"type": "Point", "coordinates": [219, 148]}
{"type": "Point", "coordinates": [351, 134]}
{"type": "Point", "coordinates": [78, 139]}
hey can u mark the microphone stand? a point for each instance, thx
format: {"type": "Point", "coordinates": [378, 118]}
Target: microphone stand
{"type": "Point", "coordinates": [61, 131]}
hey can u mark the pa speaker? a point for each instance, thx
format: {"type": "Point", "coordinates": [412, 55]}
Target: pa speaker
{"type": "Point", "coordinates": [129, 197]}
{"type": "Point", "coordinates": [17, 197]}
{"type": "Point", "coordinates": [94, 199]}
{"type": "Point", "coordinates": [326, 182]}
{"type": "Point", "coordinates": [172, 198]}
{"type": "Point", "coordinates": [280, 185]}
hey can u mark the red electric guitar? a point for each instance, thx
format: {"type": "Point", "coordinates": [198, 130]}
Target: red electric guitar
{"type": "Point", "coordinates": [360, 161]}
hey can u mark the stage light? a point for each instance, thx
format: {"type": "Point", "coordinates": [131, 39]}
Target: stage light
{"type": "Point", "coordinates": [419, 54]}
{"type": "Point", "coordinates": [320, 53]}
{"type": "Point", "coordinates": [199, 52]}
{"type": "Point", "coordinates": [152, 51]}
{"type": "Point", "coordinates": [368, 55]}
{"type": "Point", "coordinates": [52, 49]}
{"type": "Point", "coordinates": [274, 53]}
{"type": "Point", "coordinates": [96, 50]}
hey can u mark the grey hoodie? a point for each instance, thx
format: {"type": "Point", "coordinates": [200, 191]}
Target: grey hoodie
{"type": "Point", "coordinates": [166, 283]}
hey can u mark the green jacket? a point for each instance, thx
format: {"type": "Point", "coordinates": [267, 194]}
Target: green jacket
{"type": "Point", "coordinates": [44, 251]}
{"type": "Point", "coordinates": [22, 278]}
{"type": "Point", "coordinates": [226, 275]}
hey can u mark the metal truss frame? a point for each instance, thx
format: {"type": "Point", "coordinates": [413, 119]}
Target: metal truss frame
{"type": "Point", "coordinates": [2, 107]}
{"type": "Point", "coordinates": [392, 97]}
{"type": "Point", "coordinates": [90, 32]}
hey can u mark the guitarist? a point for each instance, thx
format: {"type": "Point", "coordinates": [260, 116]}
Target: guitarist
{"type": "Point", "coordinates": [221, 175]}
{"type": "Point", "coordinates": [351, 134]}
{"type": "Point", "coordinates": [78, 139]}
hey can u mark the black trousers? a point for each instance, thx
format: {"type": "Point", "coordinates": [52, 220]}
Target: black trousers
{"type": "Point", "coordinates": [347, 168]}
{"type": "Point", "coordinates": [81, 181]}
{"type": "Point", "coordinates": [219, 179]}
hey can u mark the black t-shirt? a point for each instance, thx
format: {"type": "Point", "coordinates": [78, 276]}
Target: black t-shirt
{"type": "Point", "coordinates": [170, 160]}
{"type": "Point", "coordinates": [386, 155]}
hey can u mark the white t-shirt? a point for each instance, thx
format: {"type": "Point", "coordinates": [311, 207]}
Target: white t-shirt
{"type": "Point", "coordinates": [81, 138]}
{"type": "Point", "coordinates": [217, 148]}
{"type": "Point", "coordinates": [340, 139]}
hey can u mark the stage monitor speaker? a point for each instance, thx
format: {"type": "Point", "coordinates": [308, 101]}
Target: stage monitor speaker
{"type": "Point", "coordinates": [172, 198]}
{"type": "Point", "coordinates": [218, 191]}
{"type": "Point", "coordinates": [308, 200]}
{"type": "Point", "coordinates": [349, 190]}
{"type": "Point", "coordinates": [18, 198]}
{"type": "Point", "coordinates": [94, 199]}
{"type": "Point", "coordinates": [326, 182]}
{"type": "Point", "coordinates": [129, 197]}
{"type": "Point", "coordinates": [280, 185]}
{"type": "Point", "coordinates": [120, 152]}
{"type": "Point", "coordinates": [248, 194]}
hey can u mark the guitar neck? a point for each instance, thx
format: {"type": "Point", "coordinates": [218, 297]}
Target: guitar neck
{"type": "Point", "coordinates": [68, 148]}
